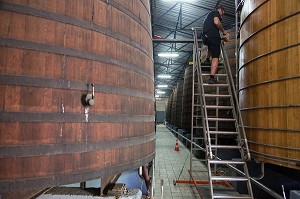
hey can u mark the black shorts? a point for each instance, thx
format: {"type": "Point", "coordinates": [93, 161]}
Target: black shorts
{"type": "Point", "coordinates": [213, 44]}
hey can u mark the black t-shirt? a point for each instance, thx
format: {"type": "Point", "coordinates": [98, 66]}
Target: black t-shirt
{"type": "Point", "coordinates": [209, 27]}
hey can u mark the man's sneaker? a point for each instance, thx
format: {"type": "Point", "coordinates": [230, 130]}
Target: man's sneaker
{"type": "Point", "coordinates": [213, 81]}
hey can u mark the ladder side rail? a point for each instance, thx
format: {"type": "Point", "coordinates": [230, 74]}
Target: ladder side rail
{"type": "Point", "coordinates": [246, 172]}
{"type": "Point", "coordinates": [240, 120]}
{"type": "Point", "coordinates": [235, 106]}
{"type": "Point", "coordinates": [192, 112]}
{"type": "Point", "coordinates": [204, 115]}
{"type": "Point", "coordinates": [195, 64]}
{"type": "Point", "coordinates": [202, 98]}
{"type": "Point", "coordinates": [234, 111]}
{"type": "Point", "coordinates": [249, 186]}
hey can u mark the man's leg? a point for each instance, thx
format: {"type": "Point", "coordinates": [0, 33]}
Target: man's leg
{"type": "Point", "coordinates": [215, 53]}
{"type": "Point", "coordinates": [214, 66]}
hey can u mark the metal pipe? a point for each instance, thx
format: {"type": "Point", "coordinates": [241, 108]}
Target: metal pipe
{"type": "Point", "coordinates": [275, 146]}
{"type": "Point", "coordinates": [266, 189]}
{"type": "Point", "coordinates": [236, 42]}
{"type": "Point", "coordinates": [153, 178]}
{"type": "Point", "coordinates": [173, 40]}
{"type": "Point", "coordinates": [162, 188]}
{"type": "Point", "coordinates": [289, 161]}
{"type": "Point", "coordinates": [262, 172]}
{"type": "Point", "coordinates": [274, 129]}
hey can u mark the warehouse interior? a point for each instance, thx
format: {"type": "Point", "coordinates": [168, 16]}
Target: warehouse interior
{"type": "Point", "coordinates": [111, 99]}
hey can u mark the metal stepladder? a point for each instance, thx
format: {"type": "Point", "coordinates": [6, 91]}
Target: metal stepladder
{"type": "Point", "coordinates": [219, 107]}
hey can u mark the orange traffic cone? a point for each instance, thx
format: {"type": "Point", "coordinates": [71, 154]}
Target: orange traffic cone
{"type": "Point", "coordinates": [176, 146]}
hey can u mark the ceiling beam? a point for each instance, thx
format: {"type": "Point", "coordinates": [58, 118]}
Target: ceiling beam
{"type": "Point", "coordinates": [155, 21]}
{"type": "Point", "coordinates": [173, 40]}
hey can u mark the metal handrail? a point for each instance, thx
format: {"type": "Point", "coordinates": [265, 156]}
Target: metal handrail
{"type": "Point", "coordinates": [236, 102]}
{"type": "Point", "coordinates": [196, 62]}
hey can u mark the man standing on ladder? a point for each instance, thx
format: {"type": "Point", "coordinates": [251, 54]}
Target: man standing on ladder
{"type": "Point", "coordinates": [211, 38]}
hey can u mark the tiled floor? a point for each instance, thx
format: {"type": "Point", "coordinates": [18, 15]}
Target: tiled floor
{"type": "Point", "coordinates": [168, 166]}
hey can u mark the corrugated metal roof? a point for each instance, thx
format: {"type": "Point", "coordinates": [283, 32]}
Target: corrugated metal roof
{"type": "Point", "coordinates": [173, 19]}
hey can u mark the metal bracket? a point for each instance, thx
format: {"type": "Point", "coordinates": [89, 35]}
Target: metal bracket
{"type": "Point", "coordinates": [88, 99]}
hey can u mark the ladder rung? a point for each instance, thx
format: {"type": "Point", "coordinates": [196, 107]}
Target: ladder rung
{"type": "Point", "coordinates": [215, 85]}
{"type": "Point", "coordinates": [223, 132]}
{"type": "Point", "coordinates": [198, 138]}
{"type": "Point", "coordinates": [232, 196]}
{"type": "Point", "coordinates": [200, 160]}
{"type": "Point", "coordinates": [229, 178]}
{"type": "Point", "coordinates": [226, 146]}
{"type": "Point", "coordinates": [220, 65]}
{"type": "Point", "coordinates": [221, 119]}
{"type": "Point", "coordinates": [215, 95]}
{"type": "Point", "coordinates": [197, 116]}
{"type": "Point", "coordinates": [216, 75]}
{"type": "Point", "coordinates": [225, 162]}
{"type": "Point", "coordinates": [197, 149]}
{"type": "Point", "coordinates": [218, 107]}
{"type": "Point", "coordinates": [198, 127]}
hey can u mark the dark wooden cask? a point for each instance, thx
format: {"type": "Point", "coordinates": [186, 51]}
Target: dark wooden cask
{"type": "Point", "coordinates": [51, 54]}
{"type": "Point", "coordinates": [169, 109]}
{"type": "Point", "coordinates": [187, 99]}
{"type": "Point", "coordinates": [230, 49]}
{"type": "Point", "coordinates": [270, 78]}
{"type": "Point", "coordinates": [173, 107]}
{"type": "Point", "coordinates": [179, 104]}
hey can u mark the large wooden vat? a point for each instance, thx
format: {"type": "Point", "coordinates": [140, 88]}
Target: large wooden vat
{"type": "Point", "coordinates": [179, 104]}
{"type": "Point", "coordinates": [230, 49]}
{"type": "Point", "coordinates": [51, 52]}
{"type": "Point", "coordinates": [269, 80]}
{"type": "Point", "coordinates": [187, 98]}
{"type": "Point", "coordinates": [169, 109]}
{"type": "Point", "coordinates": [173, 107]}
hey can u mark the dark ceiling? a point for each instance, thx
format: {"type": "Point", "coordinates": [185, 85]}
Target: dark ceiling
{"type": "Point", "coordinates": [173, 20]}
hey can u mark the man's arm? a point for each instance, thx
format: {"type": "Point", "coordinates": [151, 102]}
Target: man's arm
{"type": "Point", "coordinates": [218, 23]}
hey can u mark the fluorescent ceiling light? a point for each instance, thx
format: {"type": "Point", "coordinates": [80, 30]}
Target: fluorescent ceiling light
{"type": "Point", "coordinates": [164, 76]}
{"type": "Point", "coordinates": [156, 96]}
{"type": "Point", "coordinates": [162, 86]}
{"type": "Point", "coordinates": [168, 54]}
{"type": "Point", "coordinates": [161, 92]}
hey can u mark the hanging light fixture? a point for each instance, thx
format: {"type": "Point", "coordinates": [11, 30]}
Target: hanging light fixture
{"type": "Point", "coordinates": [164, 76]}
{"type": "Point", "coordinates": [162, 86]}
{"type": "Point", "coordinates": [168, 54]}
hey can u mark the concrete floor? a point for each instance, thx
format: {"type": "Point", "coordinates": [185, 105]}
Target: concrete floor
{"type": "Point", "coordinates": [168, 166]}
